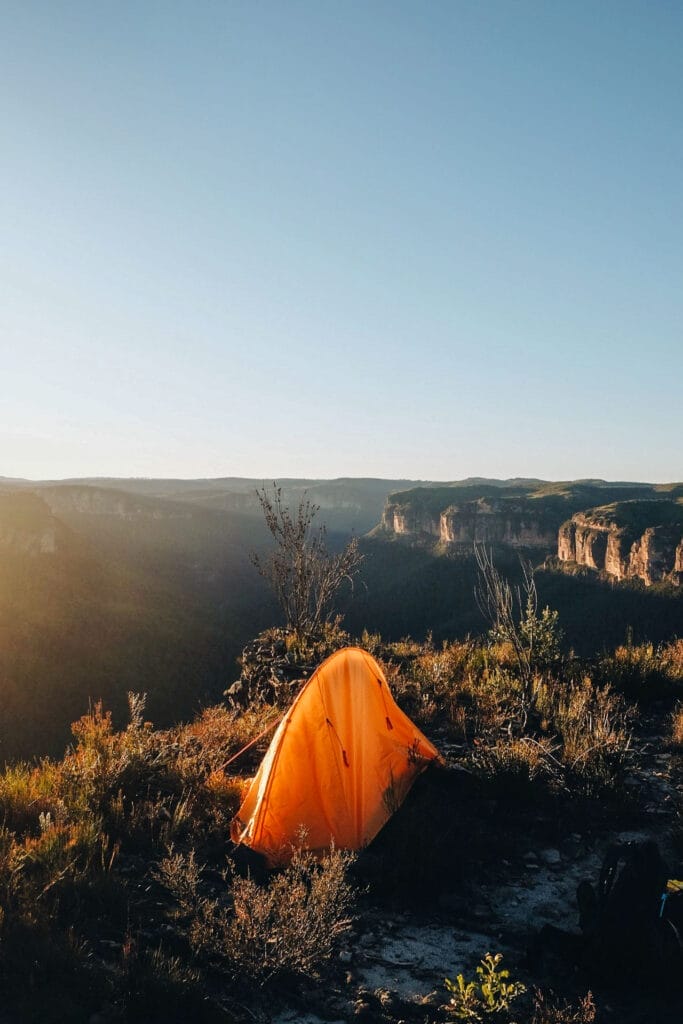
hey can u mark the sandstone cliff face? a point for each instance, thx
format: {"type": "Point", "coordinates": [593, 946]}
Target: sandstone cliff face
{"type": "Point", "coordinates": [614, 542]}
{"type": "Point", "coordinates": [481, 521]}
{"type": "Point", "coordinates": [677, 574]}
{"type": "Point", "coordinates": [489, 524]}
{"type": "Point", "coordinates": [578, 541]}
{"type": "Point", "coordinates": [410, 521]}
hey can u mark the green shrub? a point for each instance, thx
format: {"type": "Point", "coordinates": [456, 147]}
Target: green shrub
{"type": "Point", "coordinates": [487, 996]}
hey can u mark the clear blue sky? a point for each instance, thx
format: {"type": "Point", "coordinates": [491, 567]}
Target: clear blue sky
{"type": "Point", "coordinates": [424, 239]}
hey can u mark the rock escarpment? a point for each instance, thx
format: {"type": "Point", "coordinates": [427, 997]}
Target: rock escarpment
{"type": "Point", "coordinates": [627, 540]}
{"type": "Point", "coordinates": [482, 520]}
{"type": "Point", "coordinates": [625, 530]}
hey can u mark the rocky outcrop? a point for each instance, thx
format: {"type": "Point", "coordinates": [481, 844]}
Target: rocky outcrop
{"type": "Point", "coordinates": [410, 521]}
{"type": "Point", "coordinates": [678, 561]}
{"type": "Point", "coordinates": [627, 540]}
{"type": "Point", "coordinates": [578, 541]}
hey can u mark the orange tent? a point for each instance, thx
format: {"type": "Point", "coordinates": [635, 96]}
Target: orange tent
{"type": "Point", "coordinates": [340, 763]}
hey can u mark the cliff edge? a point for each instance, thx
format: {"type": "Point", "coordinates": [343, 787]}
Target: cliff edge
{"type": "Point", "coordinates": [627, 540]}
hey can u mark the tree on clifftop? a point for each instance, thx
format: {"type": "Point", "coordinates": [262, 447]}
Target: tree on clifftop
{"type": "Point", "coordinates": [303, 573]}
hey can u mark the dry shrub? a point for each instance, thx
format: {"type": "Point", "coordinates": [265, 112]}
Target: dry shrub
{"type": "Point", "coordinates": [483, 705]}
{"type": "Point", "coordinates": [289, 926]}
{"type": "Point", "coordinates": [672, 658]}
{"type": "Point", "coordinates": [181, 875]}
{"type": "Point", "coordinates": [292, 924]}
{"type": "Point", "coordinates": [405, 650]}
{"type": "Point", "coordinates": [103, 762]}
{"type": "Point", "coordinates": [515, 765]}
{"type": "Point", "coordinates": [587, 716]}
{"type": "Point", "coordinates": [645, 671]}
{"type": "Point", "coordinates": [64, 851]}
{"type": "Point", "coordinates": [547, 1010]}
{"type": "Point", "coordinates": [592, 726]}
{"type": "Point", "coordinates": [12, 859]}
{"type": "Point", "coordinates": [502, 653]}
{"type": "Point", "coordinates": [677, 727]}
{"type": "Point", "coordinates": [204, 746]}
{"type": "Point", "coordinates": [158, 987]}
{"type": "Point", "coordinates": [442, 669]}
{"type": "Point", "coordinates": [152, 787]}
{"type": "Point", "coordinates": [576, 737]}
{"type": "Point", "coordinates": [227, 791]}
{"type": "Point", "coordinates": [28, 791]}
{"type": "Point", "coordinates": [462, 685]}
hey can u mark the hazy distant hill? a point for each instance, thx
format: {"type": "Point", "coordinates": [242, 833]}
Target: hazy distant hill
{"type": "Point", "coordinates": [347, 504]}
{"type": "Point", "coordinates": [136, 593]}
{"type": "Point", "coordinates": [110, 585]}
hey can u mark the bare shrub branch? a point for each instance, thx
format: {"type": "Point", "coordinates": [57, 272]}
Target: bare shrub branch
{"type": "Point", "coordinates": [303, 574]}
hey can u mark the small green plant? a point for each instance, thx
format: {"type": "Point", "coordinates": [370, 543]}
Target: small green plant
{"type": "Point", "coordinates": [488, 996]}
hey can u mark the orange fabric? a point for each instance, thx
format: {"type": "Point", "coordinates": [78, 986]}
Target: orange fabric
{"type": "Point", "coordinates": [341, 762]}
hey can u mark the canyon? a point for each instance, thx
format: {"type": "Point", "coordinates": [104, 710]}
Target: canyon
{"type": "Point", "coordinates": [625, 531]}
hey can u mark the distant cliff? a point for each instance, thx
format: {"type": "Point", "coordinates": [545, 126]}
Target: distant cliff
{"type": "Point", "coordinates": [516, 513]}
{"type": "Point", "coordinates": [27, 526]}
{"type": "Point", "coordinates": [626, 530]}
{"type": "Point", "coordinates": [627, 540]}
{"type": "Point", "coordinates": [104, 501]}
{"type": "Point", "coordinates": [482, 520]}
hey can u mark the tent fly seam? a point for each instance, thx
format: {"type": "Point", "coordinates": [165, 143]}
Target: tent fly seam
{"type": "Point", "coordinates": [338, 739]}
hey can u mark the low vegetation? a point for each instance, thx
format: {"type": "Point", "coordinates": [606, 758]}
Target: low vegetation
{"type": "Point", "coordinates": [114, 874]}
{"type": "Point", "coordinates": [677, 727]}
{"type": "Point", "coordinates": [645, 672]}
